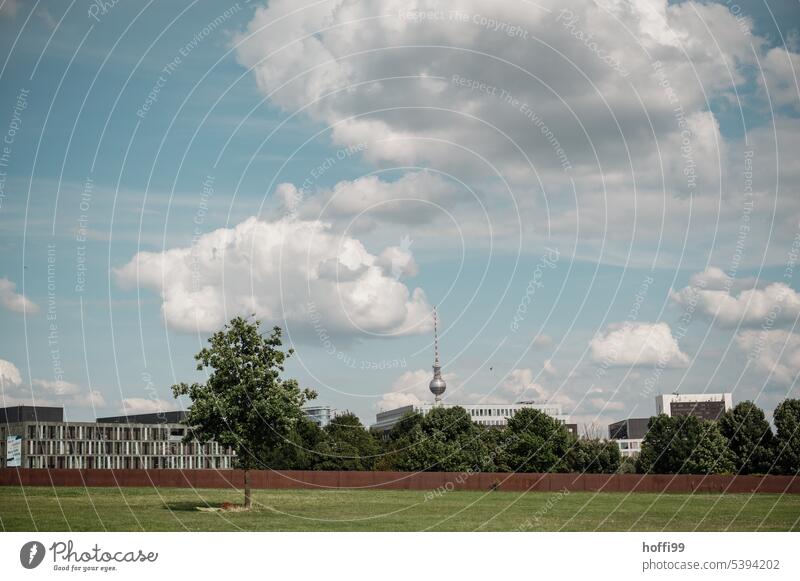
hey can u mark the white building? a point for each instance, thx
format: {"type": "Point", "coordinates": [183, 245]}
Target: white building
{"type": "Point", "coordinates": [706, 406]}
{"type": "Point", "coordinates": [485, 414]}
{"type": "Point", "coordinates": [320, 414]}
{"type": "Point", "coordinates": [629, 448]}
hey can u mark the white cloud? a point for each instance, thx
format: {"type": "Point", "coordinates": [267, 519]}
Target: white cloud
{"type": "Point", "coordinates": [476, 101]}
{"type": "Point", "coordinates": [9, 374]}
{"type": "Point", "coordinates": [143, 405]}
{"type": "Point", "coordinates": [519, 385]}
{"type": "Point", "coordinates": [637, 344]}
{"type": "Point", "coordinates": [296, 271]}
{"type": "Point", "coordinates": [58, 387]}
{"type": "Point", "coordinates": [542, 340]}
{"type": "Point", "coordinates": [43, 391]}
{"type": "Point", "coordinates": [776, 303]}
{"type": "Point", "coordinates": [714, 278]}
{"type": "Point", "coordinates": [549, 368]}
{"type": "Point", "coordinates": [13, 300]}
{"type": "Point", "coordinates": [780, 68]}
{"type": "Point", "coordinates": [775, 351]}
{"type": "Point", "coordinates": [411, 388]}
{"type": "Point", "coordinates": [412, 199]}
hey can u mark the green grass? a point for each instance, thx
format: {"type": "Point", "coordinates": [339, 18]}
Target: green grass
{"type": "Point", "coordinates": [171, 509]}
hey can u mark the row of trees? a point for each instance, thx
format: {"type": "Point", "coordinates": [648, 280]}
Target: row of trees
{"type": "Point", "coordinates": [741, 442]}
{"type": "Point", "coordinates": [445, 439]}
{"type": "Point", "coordinates": [246, 405]}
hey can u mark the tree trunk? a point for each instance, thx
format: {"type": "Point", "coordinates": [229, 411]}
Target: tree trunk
{"type": "Point", "coordinates": [248, 494]}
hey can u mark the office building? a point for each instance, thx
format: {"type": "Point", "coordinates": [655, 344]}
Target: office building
{"type": "Point", "coordinates": [35, 437]}
{"type": "Point", "coordinates": [320, 414]}
{"type": "Point", "coordinates": [630, 429]}
{"type": "Point", "coordinates": [706, 406]}
{"type": "Point", "coordinates": [491, 415]}
{"type": "Point", "coordinates": [629, 435]}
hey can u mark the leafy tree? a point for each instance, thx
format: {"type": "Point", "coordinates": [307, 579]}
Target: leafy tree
{"type": "Point", "coordinates": [396, 442]}
{"type": "Point", "coordinates": [244, 403]}
{"type": "Point", "coordinates": [299, 450]}
{"type": "Point", "coordinates": [684, 445]}
{"type": "Point", "coordinates": [594, 455]}
{"type": "Point", "coordinates": [534, 442]}
{"type": "Point", "coordinates": [347, 445]}
{"type": "Point", "coordinates": [749, 438]}
{"type": "Point", "coordinates": [445, 439]}
{"type": "Point", "coordinates": [627, 465]}
{"type": "Point", "coordinates": [787, 424]}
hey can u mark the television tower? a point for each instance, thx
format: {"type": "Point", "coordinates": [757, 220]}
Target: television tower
{"type": "Point", "coordinates": [437, 385]}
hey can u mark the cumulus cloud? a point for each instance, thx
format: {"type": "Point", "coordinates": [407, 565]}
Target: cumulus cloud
{"type": "Point", "coordinates": [57, 387]}
{"type": "Point", "coordinates": [43, 391]}
{"type": "Point", "coordinates": [332, 60]}
{"type": "Point", "coordinates": [13, 300]}
{"type": "Point", "coordinates": [9, 374]}
{"type": "Point", "coordinates": [502, 89]}
{"type": "Point", "coordinates": [776, 303]}
{"type": "Point", "coordinates": [411, 388]}
{"type": "Point", "coordinates": [519, 385]}
{"type": "Point", "coordinates": [774, 351]}
{"type": "Point", "coordinates": [714, 278]}
{"type": "Point", "coordinates": [289, 270]}
{"type": "Point", "coordinates": [780, 68]}
{"type": "Point", "coordinates": [371, 200]}
{"type": "Point", "coordinates": [637, 344]}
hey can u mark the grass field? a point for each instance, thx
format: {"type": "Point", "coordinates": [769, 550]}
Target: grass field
{"type": "Point", "coordinates": [171, 509]}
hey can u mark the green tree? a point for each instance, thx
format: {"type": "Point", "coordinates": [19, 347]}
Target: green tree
{"type": "Point", "coordinates": [347, 445]}
{"type": "Point", "coordinates": [444, 439]}
{"type": "Point", "coordinates": [534, 442]}
{"type": "Point", "coordinates": [299, 450]}
{"type": "Point", "coordinates": [787, 424]}
{"type": "Point", "coordinates": [594, 455]}
{"type": "Point", "coordinates": [684, 445]}
{"type": "Point", "coordinates": [398, 439]}
{"type": "Point", "coordinates": [244, 403]}
{"type": "Point", "coordinates": [749, 438]}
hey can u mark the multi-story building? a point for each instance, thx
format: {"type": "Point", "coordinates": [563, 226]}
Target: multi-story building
{"type": "Point", "coordinates": [629, 435]}
{"type": "Point", "coordinates": [706, 406]}
{"type": "Point", "coordinates": [35, 437]}
{"type": "Point", "coordinates": [320, 414]}
{"type": "Point", "coordinates": [492, 415]}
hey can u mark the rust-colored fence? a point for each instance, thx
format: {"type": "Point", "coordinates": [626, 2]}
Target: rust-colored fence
{"type": "Point", "coordinates": [401, 480]}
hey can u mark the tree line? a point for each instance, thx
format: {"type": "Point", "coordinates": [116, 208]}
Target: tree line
{"type": "Point", "coordinates": [446, 439]}
{"type": "Point", "coordinates": [247, 406]}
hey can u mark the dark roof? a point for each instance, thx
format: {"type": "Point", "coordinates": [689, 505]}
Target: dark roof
{"type": "Point", "coordinates": [630, 428]}
{"type": "Point", "coordinates": [29, 413]}
{"type": "Point", "coordinates": [173, 417]}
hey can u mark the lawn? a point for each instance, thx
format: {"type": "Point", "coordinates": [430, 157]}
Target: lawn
{"type": "Point", "coordinates": [171, 509]}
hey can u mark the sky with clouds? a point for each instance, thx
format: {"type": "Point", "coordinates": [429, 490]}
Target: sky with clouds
{"type": "Point", "coordinates": [602, 197]}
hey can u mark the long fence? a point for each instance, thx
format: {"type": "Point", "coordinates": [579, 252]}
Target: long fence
{"type": "Point", "coordinates": [320, 480]}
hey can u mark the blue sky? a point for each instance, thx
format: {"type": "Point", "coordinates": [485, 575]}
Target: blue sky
{"type": "Point", "coordinates": [567, 192]}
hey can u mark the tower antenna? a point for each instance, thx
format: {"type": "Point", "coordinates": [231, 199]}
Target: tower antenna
{"type": "Point", "coordinates": [437, 385]}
